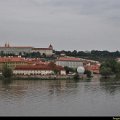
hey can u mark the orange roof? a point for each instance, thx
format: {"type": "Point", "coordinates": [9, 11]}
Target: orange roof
{"type": "Point", "coordinates": [35, 61]}
{"type": "Point", "coordinates": [12, 59]}
{"type": "Point", "coordinates": [32, 61]}
{"type": "Point", "coordinates": [93, 67]}
{"type": "Point", "coordinates": [69, 59]}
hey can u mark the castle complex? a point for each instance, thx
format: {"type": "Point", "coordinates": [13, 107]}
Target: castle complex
{"type": "Point", "coordinates": [7, 49]}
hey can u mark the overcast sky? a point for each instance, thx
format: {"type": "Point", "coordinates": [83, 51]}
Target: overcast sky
{"type": "Point", "coordinates": [66, 24]}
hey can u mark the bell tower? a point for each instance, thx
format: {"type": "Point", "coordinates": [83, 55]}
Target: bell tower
{"type": "Point", "coordinates": [51, 47]}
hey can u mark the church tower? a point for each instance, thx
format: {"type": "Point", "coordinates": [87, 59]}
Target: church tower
{"type": "Point", "coordinates": [7, 44]}
{"type": "Point", "coordinates": [51, 47]}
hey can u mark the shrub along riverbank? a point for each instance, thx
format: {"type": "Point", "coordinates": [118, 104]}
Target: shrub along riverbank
{"type": "Point", "coordinates": [110, 68]}
{"type": "Point", "coordinates": [42, 77]}
{"type": "Point", "coordinates": [39, 77]}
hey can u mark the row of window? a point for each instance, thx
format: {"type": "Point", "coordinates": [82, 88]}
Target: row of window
{"type": "Point", "coordinates": [70, 64]}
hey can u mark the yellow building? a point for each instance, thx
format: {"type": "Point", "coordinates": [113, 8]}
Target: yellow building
{"type": "Point", "coordinates": [12, 62]}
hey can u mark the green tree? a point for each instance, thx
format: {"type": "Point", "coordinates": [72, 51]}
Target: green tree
{"type": "Point", "coordinates": [68, 69]}
{"type": "Point", "coordinates": [44, 55]}
{"type": "Point", "coordinates": [105, 71]}
{"type": "Point", "coordinates": [7, 72]}
{"type": "Point", "coordinates": [117, 68]}
{"type": "Point", "coordinates": [56, 71]}
{"type": "Point", "coordinates": [1, 53]}
{"type": "Point", "coordinates": [88, 73]}
{"type": "Point", "coordinates": [76, 76]}
{"type": "Point", "coordinates": [110, 67]}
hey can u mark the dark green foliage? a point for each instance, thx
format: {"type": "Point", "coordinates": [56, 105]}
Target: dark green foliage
{"type": "Point", "coordinates": [56, 71]}
{"type": "Point", "coordinates": [105, 71]}
{"type": "Point", "coordinates": [7, 72]}
{"type": "Point", "coordinates": [110, 67]}
{"type": "Point", "coordinates": [76, 76]}
{"type": "Point", "coordinates": [118, 75]}
{"type": "Point", "coordinates": [32, 55]}
{"type": "Point", "coordinates": [94, 54]}
{"type": "Point", "coordinates": [88, 73]}
{"type": "Point", "coordinates": [68, 70]}
{"type": "Point", "coordinates": [2, 54]}
{"type": "Point", "coordinates": [111, 64]}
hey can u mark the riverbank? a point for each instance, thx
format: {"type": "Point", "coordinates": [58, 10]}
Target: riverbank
{"type": "Point", "coordinates": [41, 77]}
{"type": "Point", "coordinates": [44, 77]}
{"type": "Point", "coordinates": [50, 77]}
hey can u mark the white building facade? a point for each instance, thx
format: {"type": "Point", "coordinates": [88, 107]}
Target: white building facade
{"type": "Point", "coordinates": [15, 50]}
{"type": "Point", "coordinates": [7, 49]}
{"type": "Point", "coordinates": [36, 72]}
{"type": "Point", "coordinates": [69, 62]}
{"type": "Point", "coordinates": [44, 51]}
{"type": "Point", "coordinates": [33, 72]}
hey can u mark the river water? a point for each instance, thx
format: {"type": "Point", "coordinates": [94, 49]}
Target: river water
{"type": "Point", "coordinates": [60, 98]}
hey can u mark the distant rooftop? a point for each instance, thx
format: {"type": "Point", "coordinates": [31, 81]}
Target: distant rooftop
{"type": "Point", "coordinates": [12, 59]}
{"type": "Point", "coordinates": [68, 59]}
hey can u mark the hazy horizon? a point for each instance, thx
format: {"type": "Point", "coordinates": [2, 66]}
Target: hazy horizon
{"type": "Point", "coordinates": [66, 24]}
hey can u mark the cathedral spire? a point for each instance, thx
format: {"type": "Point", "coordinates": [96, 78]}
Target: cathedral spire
{"type": "Point", "coordinates": [50, 46]}
{"type": "Point", "coordinates": [8, 45]}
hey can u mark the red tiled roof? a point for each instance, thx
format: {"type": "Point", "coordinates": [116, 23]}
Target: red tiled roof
{"type": "Point", "coordinates": [93, 67]}
{"type": "Point", "coordinates": [20, 59]}
{"type": "Point", "coordinates": [12, 59]}
{"type": "Point", "coordinates": [68, 59]}
{"type": "Point", "coordinates": [36, 61]}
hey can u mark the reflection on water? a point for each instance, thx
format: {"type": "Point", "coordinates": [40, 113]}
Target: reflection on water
{"type": "Point", "coordinates": [60, 97]}
{"type": "Point", "coordinates": [110, 85]}
{"type": "Point", "coordinates": [6, 81]}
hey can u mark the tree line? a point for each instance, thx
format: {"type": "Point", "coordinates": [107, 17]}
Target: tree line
{"type": "Point", "coordinates": [94, 54]}
{"type": "Point", "coordinates": [110, 67]}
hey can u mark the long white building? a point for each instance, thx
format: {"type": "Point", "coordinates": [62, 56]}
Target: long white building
{"type": "Point", "coordinates": [71, 62]}
{"type": "Point", "coordinates": [37, 70]}
{"type": "Point", "coordinates": [7, 49]}
{"type": "Point", "coordinates": [47, 51]}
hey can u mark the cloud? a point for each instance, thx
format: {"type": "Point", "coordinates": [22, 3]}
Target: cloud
{"type": "Point", "coordinates": [99, 8]}
{"type": "Point", "coordinates": [84, 24]}
{"type": "Point", "coordinates": [102, 8]}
